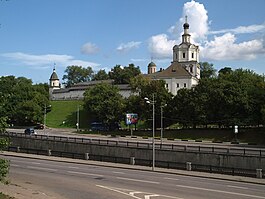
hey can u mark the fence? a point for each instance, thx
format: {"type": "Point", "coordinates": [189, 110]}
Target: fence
{"type": "Point", "coordinates": [147, 145]}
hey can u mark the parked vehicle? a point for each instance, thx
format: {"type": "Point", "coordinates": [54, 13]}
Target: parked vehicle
{"type": "Point", "coordinates": [39, 126]}
{"type": "Point", "coordinates": [30, 131]}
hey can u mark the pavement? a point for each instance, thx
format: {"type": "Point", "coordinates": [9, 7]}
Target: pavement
{"type": "Point", "coordinates": [137, 167]}
{"type": "Point", "coordinates": [19, 189]}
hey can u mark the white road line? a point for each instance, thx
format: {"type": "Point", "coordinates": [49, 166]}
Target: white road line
{"type": "Point", "coordinates": [149, 196]}
{"type": "Point", "coordinates": [117, 172]}
{"type": "Point", "coordinates": [171, 179]}
{"type": "Point", "coordinates": [88, 174]}
{"type": "Point", "coordinates": [137, 180]}
{"type": "Point", "coordinates": [73, 167]}
{"type": "Point", "coordinates": [131, 193]}
{"type": "Point", "coordinates": [231, 186]}
{"type": "Point", "coordinates": [219, 191]}
{"type": "Point", "coordinates": [135, 192]}
{"type": "Point", "coordinates": [118, 191]}
{"type": "Point", "coordinates": [15, 165]}
{"type": "Point", "coordinates": [41, 168]}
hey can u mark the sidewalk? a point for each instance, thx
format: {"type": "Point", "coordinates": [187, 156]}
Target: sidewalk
{"type": "Point", "coordinates": [142, 168]}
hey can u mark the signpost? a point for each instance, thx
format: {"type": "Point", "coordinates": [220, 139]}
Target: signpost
{"type": "Point", "coordinates": [131, 118]}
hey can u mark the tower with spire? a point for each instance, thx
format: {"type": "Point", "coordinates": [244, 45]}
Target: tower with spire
{"type": "Point", "coordinates": [54, 81]}
{"type": "Point", "coordinates": [186, 53]}
{"type": "Point", "coordinates": [184, 70]}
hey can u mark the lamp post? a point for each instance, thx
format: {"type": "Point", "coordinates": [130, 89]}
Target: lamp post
{"type": "Point", "coordinates": [45, 117]}
{"type": "Point", "coordinates": [77, 118]}
{"type": "Point", "coordinates": [161, 136]}
{"type": "Point", "coordinates": [153, 140]}
{"type": "Point", "coordinates": [44, 122]}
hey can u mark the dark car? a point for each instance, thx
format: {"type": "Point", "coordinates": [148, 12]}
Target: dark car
{"type": "Point", "coordinates": [39, 126]}
{"type": "Point", "coordinates": [30, 131]}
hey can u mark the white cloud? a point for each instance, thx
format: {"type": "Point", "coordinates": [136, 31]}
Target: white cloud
{"type": "Point", "coordinates": [44, 61]}
{"type": "Point", "coordinates": [89, 48]}
{"type": "Point", "coordinates": [226, 48]}
{"type": "Point", "coordinates": [197, 18]}
{"type": "Point", "coordinates": [160, 46]}
{"type": "Point", "coordinates": [241, 29]}
{"type": "Point", "coordinates": [221, 47]}
{"type": "Point", "coordinates": [139, 60]}
{"type": "Point", "coordinates": [128, 46]}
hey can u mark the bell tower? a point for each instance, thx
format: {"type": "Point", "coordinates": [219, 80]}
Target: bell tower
{"type": "Point", "coordinates": [186, 53]}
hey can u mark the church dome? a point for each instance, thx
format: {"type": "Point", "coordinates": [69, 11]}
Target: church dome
{"type": "Point", "coordinates": [151, 64]}
{"type": "Point", "coordinates": [186, 25]}
{"type": "Point", "coordinates": [54, 76]}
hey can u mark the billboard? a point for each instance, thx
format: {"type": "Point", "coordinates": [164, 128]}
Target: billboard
{"type": "Point", "coordinates": [131, 118]}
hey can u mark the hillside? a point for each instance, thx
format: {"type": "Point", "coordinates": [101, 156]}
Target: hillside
{"type": "Point", "coordinates": [64, 114]}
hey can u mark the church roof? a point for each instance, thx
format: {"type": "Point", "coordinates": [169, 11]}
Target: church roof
{"type": "Point", "coordinates": [54, 76]}
{"type": "Point", "coordinates": [175, 70]}
{"type": "Point", "coordinates": [151, 64]}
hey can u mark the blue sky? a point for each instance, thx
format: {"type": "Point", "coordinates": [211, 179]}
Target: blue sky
{"type": "Point", "coordinates": [35, 34]}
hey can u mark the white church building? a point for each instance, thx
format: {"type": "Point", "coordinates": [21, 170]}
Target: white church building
{"type": "Point", "coordinates": [184, 72]}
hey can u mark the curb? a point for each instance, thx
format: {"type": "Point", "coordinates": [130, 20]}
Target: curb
{"type": "Point", "coordinates": [140, 168]}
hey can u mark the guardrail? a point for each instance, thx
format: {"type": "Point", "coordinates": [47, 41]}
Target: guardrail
{"type": "Point", "coordinates": [146, 144]}
{"type": "Point", "coordinates": [143, 162]}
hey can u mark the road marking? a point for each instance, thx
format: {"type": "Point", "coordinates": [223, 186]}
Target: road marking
{"type": "Point", "coordinates": [149, 196]}
{"type": "Point", "coordinates": [118, 191]}
{"type": "Point", "coordinates": [137, 180]}
{"type": "Point", "coordinates": [73, 167]}
{"type": "Point", "coordinates": [219, 191]}
{"type": "Point", "coordinates": [117, 172]}
{"type": "Point", "coordinates": [231, 186]}
{"type": "Point", "coordinates": [15, 165]}
{"type": "Point", "coordinates": [88, 174]}
{"type": "Point", "coordinates": [171, 179]}
{"type": "Point", "coordinates": [131, 193]}
{"type": "Point", "coordinates": [41, 168]}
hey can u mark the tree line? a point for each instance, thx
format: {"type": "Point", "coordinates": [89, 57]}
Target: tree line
{"type": "Point", "coordinates": [224, 98]}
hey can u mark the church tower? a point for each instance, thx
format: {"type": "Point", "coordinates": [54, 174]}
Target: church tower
{"type": "Point", "coordinates": [54, 80]}
{"type": "Point", "coordinates": [187, 54]}
{"type": "Point", "coordinates": [151, 67]}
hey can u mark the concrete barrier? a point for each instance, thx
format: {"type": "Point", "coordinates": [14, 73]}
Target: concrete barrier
{"type": "Point", "coordinates": [197, 158]}
{"type": "Point", "coordinates": [259, 173]}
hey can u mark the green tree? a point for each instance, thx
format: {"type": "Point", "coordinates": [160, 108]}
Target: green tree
{"type": "Point", "coordinates": [77, 74]}
{"type": "Point", "coordinates": [104, 103]}
{"type": "Point", "coordinates": [225, 71]}
{"type": "Point", "coordinates": [146, 87]}
{"type": "Point", "coordinates": [207, 70]}
{"type": "Point", "coordinates": [123, 75]}
{"type": "Point", "coordinates": [21, 102]}
{"type": "Point", "coordinates": [101, 75]}
{"type": "Point", "coordinates": [4, 164]}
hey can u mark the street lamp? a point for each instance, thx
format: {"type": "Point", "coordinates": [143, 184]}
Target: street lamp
{"type": "Point", "coordinates": [77, 118]}
{"type": "Point", "coordinates": [45, 117]}
{"type": "Point", "coordinates": [161, 136]}
{"type": "Point", "coordinates": [153, 140]}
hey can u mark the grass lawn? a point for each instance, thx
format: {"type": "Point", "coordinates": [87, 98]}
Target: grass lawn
{"type": "Point", "coordinates": [64, 114]}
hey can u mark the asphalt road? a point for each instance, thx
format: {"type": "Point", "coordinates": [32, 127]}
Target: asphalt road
{"type": "Point", "coordinates": [71, 180]}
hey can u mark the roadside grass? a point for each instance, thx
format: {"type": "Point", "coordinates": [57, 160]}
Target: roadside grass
{"type": "Point", "coordinates": [3, 196]}
{"type": "Point", "coordinates": [251, 136]}
{"type": "Point", "coordinates": [64, 114]}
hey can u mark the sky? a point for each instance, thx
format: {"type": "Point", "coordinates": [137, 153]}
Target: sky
{"type": "Point", "coordinates": [37, 35]}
